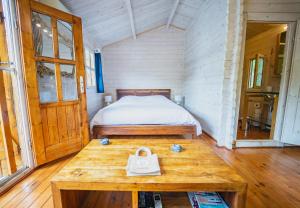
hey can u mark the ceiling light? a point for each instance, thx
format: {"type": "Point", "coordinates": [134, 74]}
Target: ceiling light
{"type": "Point", "coordinates": [38, 25]}
{"type": "Point", "coordinates": [45, 30]}
{"type": "Point", "coordinates": [50, 35]}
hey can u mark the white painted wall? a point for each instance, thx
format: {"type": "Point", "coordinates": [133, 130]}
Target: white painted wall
{"type": "Point", "coordinates": [94, 101]}
{"type": "Point", "coordinates": [233, 52]}
{"type": "Point", "coordinates": [210, 49]}
{"type": "Point", "coordinates": [153, 60]}
{"type": "Point", "coordinates": [204, 65]}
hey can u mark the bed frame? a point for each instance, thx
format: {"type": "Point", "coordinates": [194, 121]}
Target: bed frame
{"type": "Point", "coordinates": [111, 130]}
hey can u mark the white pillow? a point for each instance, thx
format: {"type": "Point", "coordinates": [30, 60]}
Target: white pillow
{"type": "Point", "coordinates": [146, 99]}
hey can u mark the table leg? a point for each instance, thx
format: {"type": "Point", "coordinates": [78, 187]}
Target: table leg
{"type": "Point", "coordinates": [234, 199]}
{"type": "Point", "coordinates": [241, 199]}
{"type": "Point", "coordinates": [56, 195]}
{"type": "Point", "coordinates": [135, 199]}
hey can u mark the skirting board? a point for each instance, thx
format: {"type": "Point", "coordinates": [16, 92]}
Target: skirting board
{"type": "Point", "coordinates": [258, 143]}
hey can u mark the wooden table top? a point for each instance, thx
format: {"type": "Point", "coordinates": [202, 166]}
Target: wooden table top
{"type": "Point", "coordinates": [99, 167]}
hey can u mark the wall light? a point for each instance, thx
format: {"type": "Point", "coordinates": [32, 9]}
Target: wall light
{"type": "Point", "coordinates": [178, 99]}
{"type": "Point", "coordinates": [108, 99]}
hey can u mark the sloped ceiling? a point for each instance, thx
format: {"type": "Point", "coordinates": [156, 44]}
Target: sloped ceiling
{"type": "Point", "coordinates": [107, 21]}
{"type": "Point", "coordinates": [254, 29]}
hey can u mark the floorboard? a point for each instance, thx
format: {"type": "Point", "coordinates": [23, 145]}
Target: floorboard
{"type": "Point", "coordinates": [273, 175]}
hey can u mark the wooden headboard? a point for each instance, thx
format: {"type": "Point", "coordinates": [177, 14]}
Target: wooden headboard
{"type": "Point", "coordinates": [143, 92]}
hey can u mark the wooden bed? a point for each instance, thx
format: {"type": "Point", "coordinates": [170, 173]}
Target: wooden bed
{"type": "Point", "coordinates": [110, 130]}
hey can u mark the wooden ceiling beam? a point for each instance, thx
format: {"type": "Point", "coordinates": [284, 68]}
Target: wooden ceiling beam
{"type": "Point", "coordinates": [171, 17]}
{"type": "Point", "coordinates": [131, 18]}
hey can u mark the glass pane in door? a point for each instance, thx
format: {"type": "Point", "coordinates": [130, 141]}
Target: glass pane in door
{"type": "Point", "coordinates": [65, 40]}
{"type": "Point", "coordinates": [68, 79]}
{"type": "Point", "coordinates": [42, 34]}
{"type": "Point", "coordinates": [47, 82]}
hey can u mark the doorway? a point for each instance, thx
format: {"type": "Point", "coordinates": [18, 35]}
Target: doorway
{"type": "Point", "coordinates": [264, 56]}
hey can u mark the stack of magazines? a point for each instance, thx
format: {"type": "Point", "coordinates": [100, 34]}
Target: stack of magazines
{"type": "Point", "coordinates": [206, 200]}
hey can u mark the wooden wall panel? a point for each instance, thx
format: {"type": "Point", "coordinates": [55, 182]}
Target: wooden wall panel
{"type": "Point", "coordinates": [45, 126]}
{"type": "Point", "coordinates": [62, 123]}
{"type": "Point", "coordinates": [273, 10]}
{"type": "Point", "coordinates": [70, 121]}
{"type": "Point", "coordinates": [77, 119]}
{"type": "Point", "coordinates": [52, 125]}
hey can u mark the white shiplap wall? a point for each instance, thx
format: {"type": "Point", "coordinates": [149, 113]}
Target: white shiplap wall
{"type": "Point", "coordinates": [233, 51]}
{"type": "Point", "coordinates": [94, 101]}
{"type": "Point", "coordinates": [153, 60]}
{"type": "Point", "coordinates": [204, 65]}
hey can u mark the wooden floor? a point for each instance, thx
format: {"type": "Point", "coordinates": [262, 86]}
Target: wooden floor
{"type": "Point", "coordinates": [253, 133]}
{"type": "Point", "coordinates": [273, 175]}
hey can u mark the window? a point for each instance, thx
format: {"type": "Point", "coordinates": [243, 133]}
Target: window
{"type": "Point", "coordinates": [256, 69]}
{"type": "Point", "coordinates": [56, 81]}
{"type": "Point", "coordinates": [252, 72]}
{"type": "Point", "coordinates": [90, 68]}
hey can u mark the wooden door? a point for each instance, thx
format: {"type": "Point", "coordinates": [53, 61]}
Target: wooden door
{"type": "Point", "coordinates": [291, 125]}
{"type": "Point", "coordinates": [52, 50]}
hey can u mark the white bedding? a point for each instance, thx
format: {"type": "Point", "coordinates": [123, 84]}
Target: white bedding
{"type": "Point", "coordinates": [139, 110]}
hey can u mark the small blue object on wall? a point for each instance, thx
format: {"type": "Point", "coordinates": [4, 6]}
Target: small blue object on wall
{"type": "Point", "coordinates": [98, 72]}
{"type": "Point", "coordinates": [176, 148]}
{"type": "Point", "coordinates": [104, 141]}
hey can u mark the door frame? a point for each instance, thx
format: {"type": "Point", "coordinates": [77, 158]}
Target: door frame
{"type": "Point", "coordinates": [9, 7]}
{"type": "Point", "coordinates": [276, 141]}
{"type": "Point", "coordinates": [14, 44]}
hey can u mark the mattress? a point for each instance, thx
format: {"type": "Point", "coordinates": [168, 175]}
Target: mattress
{"type": "Point", "coordinates": [144, 110]}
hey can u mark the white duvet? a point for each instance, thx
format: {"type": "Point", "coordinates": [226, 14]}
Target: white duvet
{"type": "Point", "coordinates": [143, 110]}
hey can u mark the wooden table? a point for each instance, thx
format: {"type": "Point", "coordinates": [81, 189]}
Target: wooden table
{"type": "Point", "coordinates": [102, 168]}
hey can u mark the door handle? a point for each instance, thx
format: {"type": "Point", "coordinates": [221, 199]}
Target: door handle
{"type": "Point", "coordinates": [6, 63]}
{"type": "Point", "coordinates": [7, 68]}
